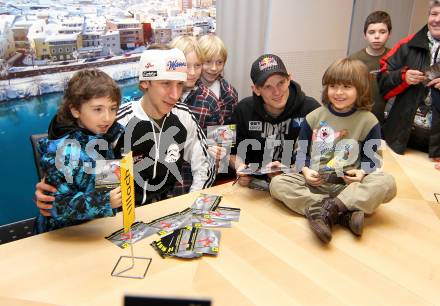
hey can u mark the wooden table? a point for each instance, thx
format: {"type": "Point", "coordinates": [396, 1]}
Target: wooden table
{"type": "Point", "coordinates": [270, 257]}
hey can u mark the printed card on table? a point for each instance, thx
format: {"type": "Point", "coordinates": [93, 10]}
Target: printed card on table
{"type": "Point", "coordinates": [205, 203]}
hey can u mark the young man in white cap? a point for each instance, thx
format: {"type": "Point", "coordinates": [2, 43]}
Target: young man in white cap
{"type": "Point", "coordinates": [269, 121]}
{"type": "Point", "coordinates": [162, 128]}
{"type": "Point", "coordinates": [160, 132]}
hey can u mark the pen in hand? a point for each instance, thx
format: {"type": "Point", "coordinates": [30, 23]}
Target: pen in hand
{"type": "Point", "coordinates": [238, 175]}
{"type": "Point", "coordinates": [236, 180]}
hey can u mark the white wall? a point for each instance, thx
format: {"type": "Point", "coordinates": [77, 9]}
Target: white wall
{"type": "Point", "coordinates": [307, 35]}
{"type": "Point", "coordinates": [243, 26]}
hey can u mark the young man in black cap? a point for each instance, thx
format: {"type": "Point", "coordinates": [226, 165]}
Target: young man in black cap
{"type": "Point", "coordinates": [269, 121]}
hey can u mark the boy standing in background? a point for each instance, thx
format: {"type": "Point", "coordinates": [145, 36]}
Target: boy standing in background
{"type": "Point", "coordinates": [214, 55]}
{"type": "Point", "coordinates": [377, 31]}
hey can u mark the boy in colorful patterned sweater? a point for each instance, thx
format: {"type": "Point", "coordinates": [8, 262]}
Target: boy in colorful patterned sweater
{"type": "Point", "coordinates": [338, 157]}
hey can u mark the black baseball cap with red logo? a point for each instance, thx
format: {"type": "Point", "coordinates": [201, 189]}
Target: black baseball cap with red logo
{"type": "Point", "coordinates": [265, 66]}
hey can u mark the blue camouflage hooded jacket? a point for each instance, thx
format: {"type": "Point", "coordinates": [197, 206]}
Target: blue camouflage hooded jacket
{"type": "Point", "coordinates": [76, 200]}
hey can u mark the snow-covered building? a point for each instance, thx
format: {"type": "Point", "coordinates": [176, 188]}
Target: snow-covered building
{"type": "Point", "coordinates": [111, 43]}
{"type": "Point", "coordinates": [92, 39]}
{"type": "Point", "coordinates": [7, 44]}
{"type": "Point", "coordinates": [203, 3]}
{"type": "Point", "coordinates": [61, 46]}
{"type": "Point", "coordinates": [92, 32]}
{"type": "Point", "coordinates": [75, 22]}
{"type": "Point", "coordinates": [180, 25]}
{"type": "Point", "coordinates": [204, 24]}
{"type": "Point", "coordinates": [37, 39]}
{"type": "Point", "coordinates": [130, 32]}
{"type": "Point", "coordinates": [161, 32]}
{"type": "Point", "coordinates": [20, 31]}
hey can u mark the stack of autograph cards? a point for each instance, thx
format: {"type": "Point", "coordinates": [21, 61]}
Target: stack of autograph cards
{"type": "Point", "coordinates": [185, 234]}
{"type": "Point", "coordinates": [199, 239]}
{"type": "Point", "coordinates": [172, 222]}
{"type": "Point", "coordinates": [221, 217]}
{"type": "Point", "coordinates": [139, 230]}
{"type": "Point", "coordinates": [161, 226]}
{"type": "Point", "coordinates": [205, 203]}
{"type": "Point", "coordinates": [188, 243]}
{"type": "Point", "coordinates": [108, 175]}
{"type": "Point", "coordinates": [224, 213]}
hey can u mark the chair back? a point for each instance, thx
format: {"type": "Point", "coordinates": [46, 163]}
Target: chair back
{"type": "Point", "coordinates": [34, 141]}
{"type": "Point", "coordinates": [17, 230]}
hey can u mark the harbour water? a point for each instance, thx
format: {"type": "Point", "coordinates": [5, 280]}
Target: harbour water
{"type": "Point", "coordinates": [18, 120]}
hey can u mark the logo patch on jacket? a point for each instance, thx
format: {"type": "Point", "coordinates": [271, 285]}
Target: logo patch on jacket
{"type": "Point", "coordinates": [255, 126]}
{"type": "Point", "coordinates": [172, 154]}
{"type": "Point", "coordinates": [296, 122]}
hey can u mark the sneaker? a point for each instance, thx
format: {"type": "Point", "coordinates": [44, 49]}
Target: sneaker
{"type": "Point", "coordinates": [353, 220]}
{"type": "Point", "coordinates": [322, 215]}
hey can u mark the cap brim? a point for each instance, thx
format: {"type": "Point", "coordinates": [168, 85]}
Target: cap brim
{"type": "Point", "coordinates": [262, 79]}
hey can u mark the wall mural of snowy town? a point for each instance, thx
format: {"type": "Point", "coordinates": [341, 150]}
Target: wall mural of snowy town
{"type": "Point", "coordinates": [43, 41]}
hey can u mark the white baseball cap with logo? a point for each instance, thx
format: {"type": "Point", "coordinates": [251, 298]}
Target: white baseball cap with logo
{"type": "Point", "coordinates": [162, 65]}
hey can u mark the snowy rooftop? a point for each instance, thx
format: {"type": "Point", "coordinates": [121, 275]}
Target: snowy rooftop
{"type": "Point", "coordinates": [93, 32]}
{"type": "Point", "coordinates": [112, 32]}
{"type": "Point", "coordinates": [126, 21]}
{"type": "Point", "coordinates": [22, 22]}
{"type": "Point", "coordinates": [72, 20]}
{"type": "Point", "coordinates": [9, 19]}
{"type": "Point", "coordinates": [64, 28]}
{"type": "Point", "coordinates": [62, 37]}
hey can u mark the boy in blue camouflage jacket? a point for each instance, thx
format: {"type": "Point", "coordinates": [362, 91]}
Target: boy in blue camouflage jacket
{"type": "Point", "coordinates": [80, 134]}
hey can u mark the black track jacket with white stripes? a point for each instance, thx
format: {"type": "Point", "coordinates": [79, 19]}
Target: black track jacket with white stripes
{"type": "Point", "coordinates": [158, 150]}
